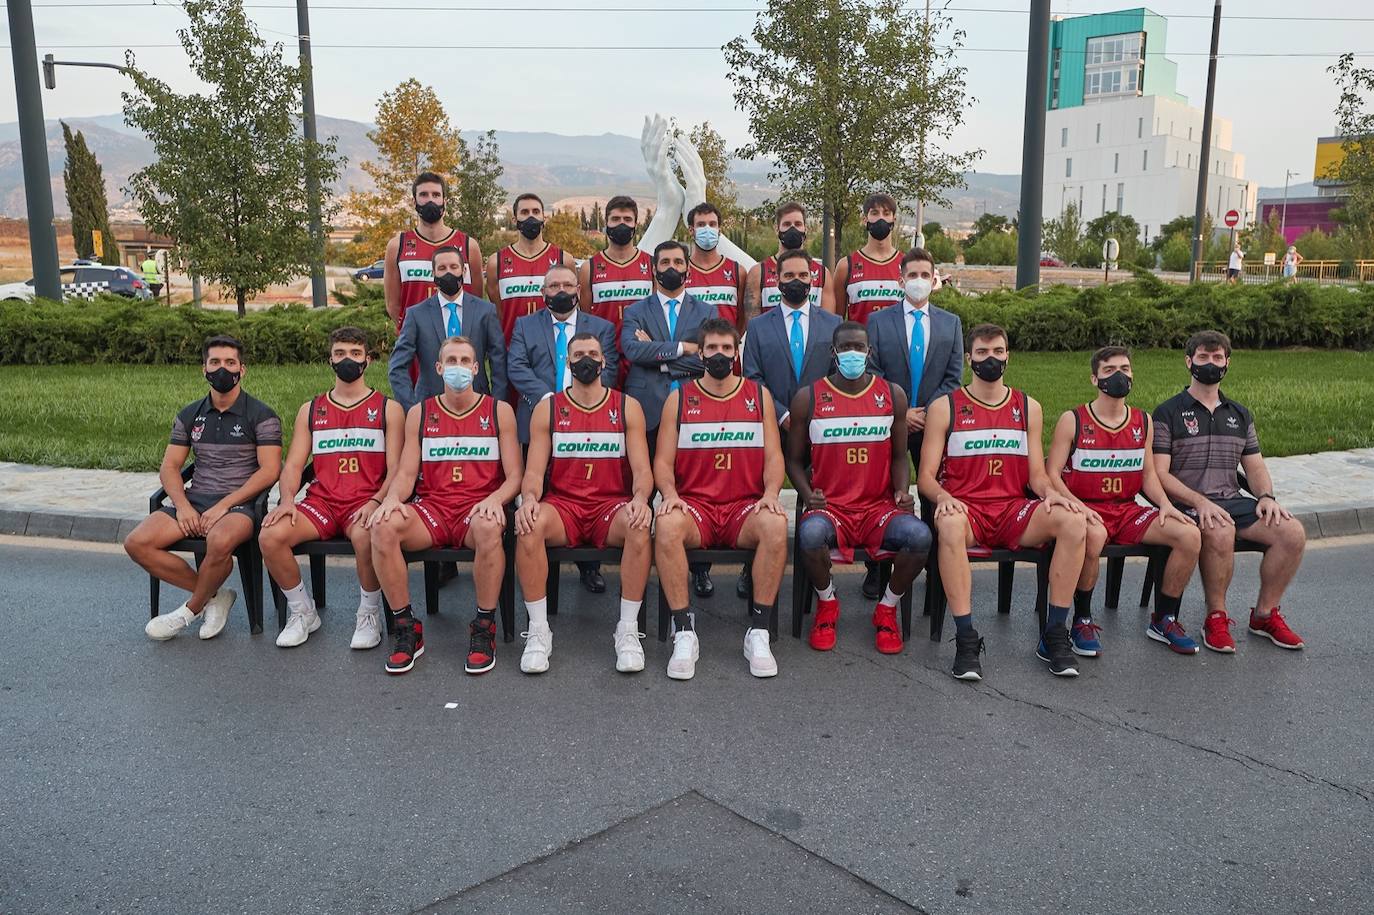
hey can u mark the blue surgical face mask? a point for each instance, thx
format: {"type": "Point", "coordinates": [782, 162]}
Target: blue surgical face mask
{"type": "Point", "coordinates": [852, 365]}
{"type": "Point", "coordinates": [707, 238]}
{"type": "Point", "coordinates": [458, 377]}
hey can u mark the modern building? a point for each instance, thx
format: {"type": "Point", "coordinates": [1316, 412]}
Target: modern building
{"type": "Point", "coordinates": [1119, 136]}
{"type": "Point", "coordinates": [1297, 215]}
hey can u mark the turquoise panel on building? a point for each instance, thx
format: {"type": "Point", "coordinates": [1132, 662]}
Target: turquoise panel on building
{"type": "Point", "coordinates": [1069, 45]}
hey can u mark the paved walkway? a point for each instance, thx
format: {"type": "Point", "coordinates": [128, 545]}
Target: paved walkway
{"type": "Point", "coordinates": [1332, 492]}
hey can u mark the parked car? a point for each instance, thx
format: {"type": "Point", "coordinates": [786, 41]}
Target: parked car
{"type": "Point", "coordinates": [369, 273]}
{"type": "Point", "coordinates": [1049, 260]}
{"type": "Point", "coordinates": [84, 281]}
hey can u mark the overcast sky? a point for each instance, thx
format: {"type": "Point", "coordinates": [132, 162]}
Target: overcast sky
{"type": "Point", "coordinates": [1279, 104]}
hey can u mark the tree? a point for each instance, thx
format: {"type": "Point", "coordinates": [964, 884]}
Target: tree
{"type": "Point", "coordinates": [715, 165]}
{"type": "Point", "coordinates": [942, 248]}
{"type": "Point", "coordinates": [1111, 224]}
{"type": "Point", "coordinates": [565, 230]}
{"type": "Point", "coordinates": [839, 93]}
{"type": "Point", "coordinates": [479, 197]}
{"type": "Point", "coordinates": [1063, 235]}
{"type": "Point", "coordinates": [985, 224]}
{"type": "Point", "coordinates": [1355, 124]}
{"type": "Point", "coordinates": [85, 183]}
{"type": "Point", "coordinates": [992, 248]}
{"type": "Point", "coordinates": [229, 177]}
{"type": "Point", "coordinates": [1171, 228]}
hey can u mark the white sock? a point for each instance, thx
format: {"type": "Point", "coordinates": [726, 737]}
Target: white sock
{"type": "Point", "coordinates": [539, 613]}
{"type": "Point", "coordinates": [828, 593]}
{"type": "Point", "coordinates": [889, 598]}
{"type": "Point", "coordinates": [186, 612]}
{"type": "Point", "coordinates": [370, 600]}
{"type": "Point", "coordinates": [296, 596]}
{"type": "Point", "coordinates": [629, 611]}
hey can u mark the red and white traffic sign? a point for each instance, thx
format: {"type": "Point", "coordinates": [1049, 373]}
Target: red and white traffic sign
{"type": "Point", "coordinates": [1232, 219]}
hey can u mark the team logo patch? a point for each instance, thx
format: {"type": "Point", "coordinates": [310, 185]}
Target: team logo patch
{"type": "Point", "coordinates": [553, 261]}
{"type": "Point", "coordinates": [321, 412]}
{"type": "Point", "coordinates": [729, 275]}
{"type": "Point", "coordinates": [485, 423]}
{"type": "Point", "coordinates": [880, 401]}
{"type": "Point", "coordinates": [826, 398]}
{"type": "Point", "coordinates": [1137, 433]}
{"type": "Point", "coordinates": [563, 411]}
{"type": "Point", "coordinates": [197, 432]}
{"type": "Point", "coordinates": [965, 410]}
{"type": "Point", "coordinates": [1016, 414]}
{"type": "Point", "coordinates": [1231, 423]}
{"type": "Point", "coordinates": [372, 414]}
{"type": "Point", "coordinates": [237, 431]}
{"type": "Point", "coordinates": [1190, 425]}
{"type": "Point", "coordinates": [644, 268]}
{"type": "Point", "coordinates": [434, 418]}
{"type": "Point", "coordinates": [613, 416]}
{"type": "Point", "coordinates": [1089, 429]}
{"type": "Point", "coordinates": [693, 400]}
{"type": "Point", "coordinates": [749, 405]}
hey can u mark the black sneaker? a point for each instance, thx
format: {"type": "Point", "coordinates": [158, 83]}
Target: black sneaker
{"type": "Point", "coordinates": [407, 646]}
{"type": "Point", "coordinates": [744, 586]}
{"type": "Point", "coordinates": [1056, 648]}
{"type": "Point", "coordinates": [873, 583]}
{"type": "Point", "coordinates": [967, 647]}
{"type": "Point", "coordinates": [591, 578]}
{"type": "Point", "coordinates": [481, 647]}
{"type": "Point", "coordinates": [701, 582]}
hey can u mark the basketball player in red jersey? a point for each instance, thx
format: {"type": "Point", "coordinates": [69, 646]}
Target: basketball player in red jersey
{"type": "Point", "coordinates": [871, 277]}
{"type": "Point", "coordinates": [352, 437]}
{"type": "Point", "coordinates": [1098, 457]}
{"type": "Point", "coordinates": [850, 429]}
{"type": "Point", "coordinates": [719, 467]}
{"type": "Point", "coordinates": [461, 458]}
{"type": "Point", "coordinates": [761, 285]}
{"type": "Point", "coordinates": [711, 276]}
{"type": "Point", "coordinates": [587, 483]}
{"type": "Point", "coordinates": [614, 279]}
{"type": "Point", "coordinates": [515, 274]}
{"type": "Point", "coordinates": [981, 458]}
{"type": "Point", "coordinates": [407, 276]}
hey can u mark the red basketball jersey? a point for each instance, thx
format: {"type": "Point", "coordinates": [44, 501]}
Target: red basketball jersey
{"type": "Point", "coordinates": [986, 456]}
{"type": "Point", "coordinates": [719, 444]}
{"type": "Point", "coordinates": [1107, 465]}
{"type": "Point", "coordinates": [589, 459]}
{"type": "Point", "coordinates": [615, 287]}
{"type": "Point", "coordinates": [851, 445]}
{"type": "Point", "coordinates": [769, 294]}
{"type": "Point", "coordinates": [348, 447]}
{"type": "Point", "coordinates": [872, 285]}
{"type": "Point", "coordinates": [415, 263]}
{"type": "Point", "coordinates": [717, 286]}
{"type": "Point", "coordinates": [460, 454]}
{"type": "Point", "coordinates": [520, 283]}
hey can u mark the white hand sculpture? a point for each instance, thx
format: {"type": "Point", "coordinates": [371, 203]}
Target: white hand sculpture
{"type": "Point", "coordinates": [694, 192]}
{"type": "Point", "coordinates": [653, 144]}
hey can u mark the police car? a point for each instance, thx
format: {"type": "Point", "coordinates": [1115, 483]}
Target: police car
{"type": "Point", "coordinates": [83, 281]}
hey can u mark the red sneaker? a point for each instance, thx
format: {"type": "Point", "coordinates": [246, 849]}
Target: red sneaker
{"type": "Point", "coordinates": [481, 647]}
{"type": "Point", "coordinates": [1273, 628]}
{"type": "Point", "coordinates": [409, 644]}
{"type": "Point", "coordinates": [889, 638]}
{"type": "Point", "coordinates": [822, 636]}
{"type": "Point", "coordinates": [1216, 633]}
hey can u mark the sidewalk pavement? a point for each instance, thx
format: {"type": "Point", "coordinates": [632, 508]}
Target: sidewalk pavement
{"type": "Point", "coordinates": [1332, 493]}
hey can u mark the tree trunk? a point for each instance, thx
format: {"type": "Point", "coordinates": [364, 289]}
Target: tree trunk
{"type": "Point", "coordinates": [241, 296]}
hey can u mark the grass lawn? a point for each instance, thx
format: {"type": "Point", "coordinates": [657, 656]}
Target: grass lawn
{"type": "Point", "coordinates": [118, 417]}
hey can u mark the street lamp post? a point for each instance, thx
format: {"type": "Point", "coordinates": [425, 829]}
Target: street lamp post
{"type": "Point", "coordinates": [33, 147]}
{"type": "Point", "coordinates": [1283, 219]}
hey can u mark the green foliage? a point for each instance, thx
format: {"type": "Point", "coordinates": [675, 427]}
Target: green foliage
{"type": "Point", "coordinates": [988, 222]}
{"type": "Point", "coordinates": [363, 294]}
{"type": "Point", "coordinates": [942, 248]}
{"type": "Point", "coordinates": [1314, 244]}
{"type": "Point", "coordinates": [996, 247]}
{"type": "Point", "coordinates": [479, 196]}
{"type": "Point", "coordinates": [85, 183]}
{"type": "Point", "coordinates": [1175, 253]}
{"type": "Point", "coordinates": [1355, 124]}
{"type": "Point", "coordinates": [1062, 236]}
{"type": "Point", "coordinates": [1123, 228]}
{"type": "Point", "coordinates": [1178, 225]}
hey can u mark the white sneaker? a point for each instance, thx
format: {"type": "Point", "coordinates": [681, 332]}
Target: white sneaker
{"type": "Point", "coordinates": [216, 612]}
{"type": "Point", "coordinates": [302, 621]}
{"type": "Point", "coordinates": [683, 664]}
{"type": "Point", "coordinates": [161, 628]}
{"type": "Point", "coordinates": [368, 631]}
{"type": "Point", "coordinates": [757, 653]}
{"type": "Point", "coordinates": [629, 654]}
{"type": "Point", "coordinates": [538, 648]}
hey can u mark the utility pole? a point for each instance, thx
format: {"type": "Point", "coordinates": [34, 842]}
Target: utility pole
{"type": "Point", "coordinates": [1033, 147]}
{"type": "Point", "coordinates": [1200, 212]}
{"type": "Point", "coordinates": [1283, 220]}
{"type": "Point", "coordinates": [33, 147]}
{"type": "Point", "coordinates": [319, 296]}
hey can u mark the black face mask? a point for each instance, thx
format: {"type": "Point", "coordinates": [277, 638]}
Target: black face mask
{"type": "Point", "coordinates": [990, 369]}
{"type": "Point", "coordinates": [620, 233]}
{"type": "Point", "coordinates": [1208, 372]}
{"type": "Point", "coordinates": [792, 237]}
{"type": "Point", "coordinates": [880, 229]}
{"type": "Point", "coordinates": [530, 227]}
{"type": "Point", "coordinates": [430, 212]}
{"type": "Point", "coordinates": [1117, 384]}
{"type": "Point", "coordinates": [449, 283]}
{"type": "Point", "coordinates": [349, 370]}
{"type": "Point", "coordinates": [586, 370]}
{"type": "Point", "coordinates": [795, 292]}
{"type": "Point", "coordinates": [671, 279]}
{"type": "Point", "coordinates": [223, 380]}
{"type": "Point", "coordinates": [719, 365]}
{"type": "Point", "coordinates": [561, 303]}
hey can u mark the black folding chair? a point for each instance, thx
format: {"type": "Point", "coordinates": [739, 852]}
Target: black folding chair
{"type": "Point", "coordinates": [1006, 570]}
{"type": "Point", "coordinates": [718, 556]}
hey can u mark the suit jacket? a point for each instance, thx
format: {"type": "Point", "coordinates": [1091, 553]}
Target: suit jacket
{"type": "Point", "coordinates": [891, 356]}
{"type": "Point", "coordinates": [651, 362]}
{"type": "Point", "coordinates": [532, 361]}
{"type": "Point", "coordinates": [768, 353]}
{"type": "Point", "coordinates": [425, 328]}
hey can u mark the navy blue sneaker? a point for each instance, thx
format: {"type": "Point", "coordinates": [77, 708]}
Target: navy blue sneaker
{"type": "Point", "coordinates": [1084, 635]}
{"type": "Point", "coordinates": [1055, 649]}
{"type": "Point", "coordinates": [1168, 631]}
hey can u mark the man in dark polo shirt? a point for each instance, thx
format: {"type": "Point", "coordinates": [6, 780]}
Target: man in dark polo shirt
{"type": "Point", "coordinates": [236, 440]}
{"type": "Point", "coordinates": [1201, 439]}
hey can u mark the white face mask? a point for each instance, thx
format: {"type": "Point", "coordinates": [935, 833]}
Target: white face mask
{"type": "Point", "coordinates": [918, 289]}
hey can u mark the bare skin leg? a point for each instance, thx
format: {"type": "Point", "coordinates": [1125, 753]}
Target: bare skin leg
{"type": "Point", "coordinates": [636, 555]}
{"type": "Point", "coordinates": [674, 534]}
{"type": "Point", "coordinates": [389, 539]}
{"type": "Point", "coordinates": [484, 538]}
{"type": "Point", "coordinates": [1094, 540]}
{"type": "Point", "coordinates": [765, 533]}
{"type": "Point", "coordinates": [954, 536]}
{"type": "Point", "coordinates": [277, 542]}
{"type": "Point", "coordinates": [361, 538]}
{"type": "Point", "coordinates": [1218, 563]}
{"type": "Point", "coordinates": [1185, 543]}
{"type": "Point", "coordinates": [147, 546]}
{"type": "Point", "coordinates": [225, 537]}
{"type": "Point", "coordinates": [1286, 541]}
{"type": "Point", "coordinates": [1068, 530]}
{"type": "Point", "coordinates": [531, 560]}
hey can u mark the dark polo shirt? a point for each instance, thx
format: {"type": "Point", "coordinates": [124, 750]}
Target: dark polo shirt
{"type": "Point", "coordinates": [225, 444]}
{"type": "Point", "coordinates": [1205, 446]}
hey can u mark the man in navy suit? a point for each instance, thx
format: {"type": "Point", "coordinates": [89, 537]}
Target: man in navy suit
{"type": "Point", "coordinates": [450, 312]}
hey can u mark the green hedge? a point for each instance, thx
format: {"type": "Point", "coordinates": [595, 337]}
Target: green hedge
{"type": "Point", "coordinates": [115, 329]}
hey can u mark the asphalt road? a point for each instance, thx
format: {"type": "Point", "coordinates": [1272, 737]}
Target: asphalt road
{"type": "Point", "coordinates": [232, 776]}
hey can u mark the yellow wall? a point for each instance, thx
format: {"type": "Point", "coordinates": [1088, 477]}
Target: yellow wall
{"type": "Point", "coordinates": [1328, 160]}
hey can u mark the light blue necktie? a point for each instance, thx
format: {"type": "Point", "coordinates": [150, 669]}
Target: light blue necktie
{"type": "Point", "coordinates": [798, 344]}
{"type": "Point", "coordinates": [917, 355]}
{"type": "Point", "coordinates": [560, 355]}
{"type": "Point", "coordinates": [455, 324]}
{"type": "Point", "coordinates": [672, 317]}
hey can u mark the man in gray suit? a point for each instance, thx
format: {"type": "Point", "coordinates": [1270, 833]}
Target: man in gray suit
{"type": "Point", "coordinates": [450, 312]}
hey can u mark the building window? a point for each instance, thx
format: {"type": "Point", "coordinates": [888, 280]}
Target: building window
{"type": "Point", "coordinates": [1104, 200]}
{"type": "Point", "coordinates": [1063, 137]}
{"type": "Point", "coordinates": [1116, 163]}
{"type": "Point", "coordinates": [1190, 133]}
{"type": "Point", "coordinates": [1068, 167]}
{"type": "Point", "coordinates": [1175, 158]}
{"type": "Point", "coordinates": [1099, 134]}
{"type": "Point", "coordinates": [1080, 198]}
{"type": "Point", "coordinates": [1190, 160]}
{"type": "Point", "coordinates": [1139, 128]}
{"type": "Point", "coordinates": [1144, 160]}
{"type": "Point", "coordinates": [1112, 65]}
{"type": "Point", "coordinates": [1120, 195]}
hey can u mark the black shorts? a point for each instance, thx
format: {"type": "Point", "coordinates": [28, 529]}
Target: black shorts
{"type": "Point", "coordinates": [1232, 273]}
{"type": "Point", "coordinates": [1241, 509]}
{"type": "Point", "coordinates": [204, 501]}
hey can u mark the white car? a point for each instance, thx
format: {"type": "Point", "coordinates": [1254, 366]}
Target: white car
{"type": "Point", "coordinates": [85, 281]}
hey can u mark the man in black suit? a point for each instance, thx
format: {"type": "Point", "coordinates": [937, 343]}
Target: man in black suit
{"type": "Point", "coordinates": [450, 312]}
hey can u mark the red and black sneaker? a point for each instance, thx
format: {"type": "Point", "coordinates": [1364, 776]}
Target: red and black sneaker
{"type": "Point", "coordinates": [481, 646]}
{"type": "Point", "coordinates": [888, 639]}
{"type": "Point", "coordinates": [822, 637]}
{"type": "Point", "coordinates": [1273, 628]}
{"type": "Point", "coordinates": [408, 645]}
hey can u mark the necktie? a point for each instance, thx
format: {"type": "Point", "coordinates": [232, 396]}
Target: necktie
{"type": "Point", "coordinates": [917, 355]}
{"type": "Point", "coordinates": [455, 325]}
{"type": "Point", "coordinates": [672, 317]}
{"type": "Point", "coordinates": [798, 344]}
{"type": "Point", "coordinates": [560, 355]}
